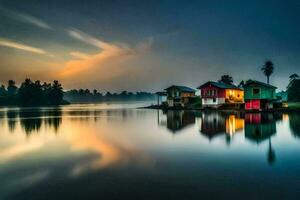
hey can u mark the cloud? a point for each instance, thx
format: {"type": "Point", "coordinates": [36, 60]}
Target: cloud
{"type": "Point", "coordinates": [109, 54]}
{"type": "Point", "coordinates": [25, 18]}
{"type": "Point", "coordinates": [15, 45]}
{"type": "Point", "coordinates": [81, 36]}
{"type": "Point", "coordinates": [80, 55]}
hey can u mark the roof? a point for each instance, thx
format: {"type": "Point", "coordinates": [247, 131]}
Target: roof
{"type": "Point", "coordinates": [161, 93]}
{"type": "Point", "coordinates": [259, 83]}
{"type": "Point", "coordinates": [220, 85]}
{"type": "Point", "coordinates": [181, 88]}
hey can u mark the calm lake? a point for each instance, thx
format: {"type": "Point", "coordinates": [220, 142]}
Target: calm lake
{"type": "Point", "coordinates": [114, 151]}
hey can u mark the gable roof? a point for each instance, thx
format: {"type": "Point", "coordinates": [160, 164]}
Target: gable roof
{"type": "Point", "coordinates": [220, 85]}
{"type": "Point", "coordinates": [181, 88]}
{"type": "Point", "coordinates": [249, 82]}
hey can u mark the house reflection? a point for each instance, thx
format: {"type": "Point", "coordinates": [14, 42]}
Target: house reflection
{"type": "Point", "coordinates": [213, 124]}
{"type": "Point", "coordinates": [234, 124]}
{"type": "Point", "coordinates": [177, 120]}
{"type": "Point", "coordinates": [259, 126]}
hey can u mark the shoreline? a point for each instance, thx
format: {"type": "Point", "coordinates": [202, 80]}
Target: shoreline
{"type": "Point", "coordinates": [274, 110]}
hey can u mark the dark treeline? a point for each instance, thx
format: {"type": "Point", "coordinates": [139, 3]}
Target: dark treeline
{"type": "Point", "coordinates": [85, 95]}
{"type": "Point", "coordinates": [293, 88]}
{"type": "Point", "coordinates": [31, 93]}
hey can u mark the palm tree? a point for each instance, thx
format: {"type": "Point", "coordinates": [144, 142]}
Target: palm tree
{"type": "Point", "coordinates": [294, 76]}
{"type": "Point", "coordinates": [268, 69]}
{"type": "Point", "coordinates": [226, 79]}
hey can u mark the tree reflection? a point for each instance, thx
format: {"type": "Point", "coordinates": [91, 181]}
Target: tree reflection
{"type": "Point", "coordinates": [11, 116]}
{"type": "Point", "coordinates": [295, 124]}
{"type": "Point", "coordinates": [53, 118]}
{"type": "Point", "coordinates": [31, 121]}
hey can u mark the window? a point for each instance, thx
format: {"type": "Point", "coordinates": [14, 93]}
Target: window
{"type": "Point", "coordinates": [255, 91]}
{"type": "Point", "coordinates": [214, 100]}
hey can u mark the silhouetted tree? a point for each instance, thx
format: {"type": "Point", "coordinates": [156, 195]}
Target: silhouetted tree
{"type": "Point", "coordinates": [268, 69]}
{"type": "Point", "coordinates": [56, 93]}
{"type": "Point", "coordinates": [95, 92]}
{"type": "Point", "coordinates": [108, 94]}
{"type": "Point", "coordinates": [293, 91]}
{"type": "Point", "coordinates": [12, 88]}
{"type": "Point", "coordinates": [226, 79]}
{"type": "Point", "coordinates": [3, 91]}
{"type": "Point", "coordinates": [293, 77]}
{"type": "Point", "coordinates": [241, 84]}
{"type": "Point", "coordinates": [81, 92]}
{"type": "Point", "coordinates": [87, 91]}
{"type": "Point", "coordinates": [29, 93]}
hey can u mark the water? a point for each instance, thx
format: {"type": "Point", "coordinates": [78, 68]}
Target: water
{"type": "Point", "coordinates": [118, 152]}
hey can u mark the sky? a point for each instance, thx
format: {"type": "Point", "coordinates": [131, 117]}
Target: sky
{"type": "Point", "coordinates": [121, 45]}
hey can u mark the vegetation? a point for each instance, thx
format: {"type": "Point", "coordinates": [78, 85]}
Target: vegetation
{"type": "Point", "coordinates": [241, 84]}
{"type": "Point", "coordinates": [31, 93]}
{"type": "Point", "coordinates": [85, 95]}
{"type": "Point", "coordinates": [293, 89]}
{"type": "Point", "coordinates": [226, 79]}
{"type": "Point", "coordinates": [294, 77]}
{"type": "Point", "coordinates": [195, 103]}
{"type": "Point", "coordinates": [268, 69]}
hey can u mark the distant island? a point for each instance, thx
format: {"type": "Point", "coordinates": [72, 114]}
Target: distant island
{"type": "Point", "coordinates": [35, 93]}
{"type": "Point", "coordinates": [86, 96]}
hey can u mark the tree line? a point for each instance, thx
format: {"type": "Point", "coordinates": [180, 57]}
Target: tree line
{"type": "Point", "coordinates": [86, 95]}
{"type": "Point", "coordinates": [31, 93]}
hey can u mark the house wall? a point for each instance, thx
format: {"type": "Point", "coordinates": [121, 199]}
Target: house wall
{"type": "Point", "coordinates": [173, 92]}
{"type": "Point", "coordinates": [253, 104]}
{"type": "Point", "coordinates": [207, 92]}
{"type": "Point", "coordinates": [265, 92]}
{"type": "Point", "coordinates": [187, 94]}
{"type": "Point", "coordinates": [175, 97]}
{"type": "Point", "coordinates": [257, 104]}
{"type": "Point", "coordinates": [210, 101]}
{"type": "Point", "coordinates": [170, 103]}
{"type": "Point", "coordinates": [234, 95]}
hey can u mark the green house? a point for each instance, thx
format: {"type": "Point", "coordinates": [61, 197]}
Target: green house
{"type": "Point", "coordinates": [259, 95]}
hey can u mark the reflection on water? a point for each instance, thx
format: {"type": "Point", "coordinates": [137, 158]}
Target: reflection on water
{"type": "Point", "coordinates": [257, 127]}
{"type": "Point", "coordinates": [177, 120]}
{"type": "Point", "coordinates": [101, 151]}
{"type": "Point", "coordinates": [295, 124]}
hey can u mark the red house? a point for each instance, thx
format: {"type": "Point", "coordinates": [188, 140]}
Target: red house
{"type": "Point", "coordinates": [214, 94]}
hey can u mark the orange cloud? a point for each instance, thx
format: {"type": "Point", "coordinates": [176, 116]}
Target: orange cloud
{"type": "Point", "coordinates": [109, 53]}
